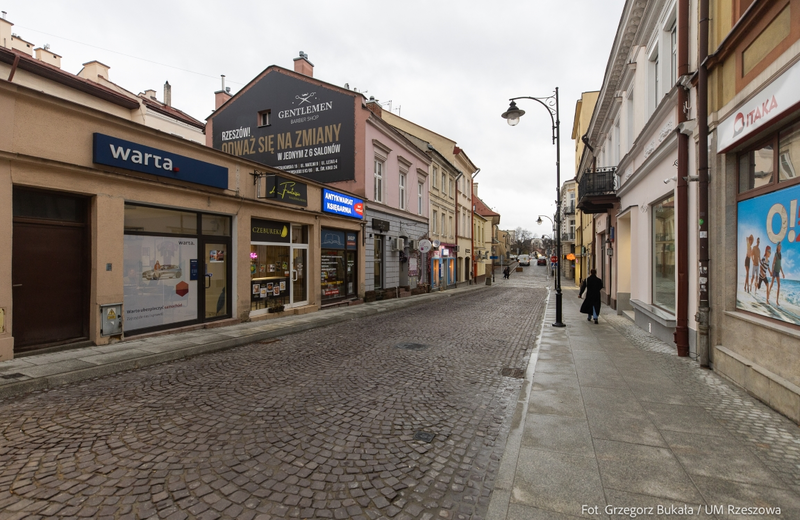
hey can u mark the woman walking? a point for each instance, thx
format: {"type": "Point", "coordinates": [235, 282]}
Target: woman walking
{"type": "Point", "coordinates": [591, 305]}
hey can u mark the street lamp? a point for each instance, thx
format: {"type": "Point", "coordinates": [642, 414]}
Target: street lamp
{"type": "Point", "coordinates": [512, 115]}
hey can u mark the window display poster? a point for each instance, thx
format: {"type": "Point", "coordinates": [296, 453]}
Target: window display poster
{"type": "Point", "coordinates": [768, 255]}
{"type": "Point", "coordinates": [157, 285]}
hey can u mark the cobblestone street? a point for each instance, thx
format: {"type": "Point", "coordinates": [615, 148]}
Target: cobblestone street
{"type": "Point", "coordinates": [399, 415]}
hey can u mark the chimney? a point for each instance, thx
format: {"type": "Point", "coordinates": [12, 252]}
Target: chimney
{"type": "Point", "coordinates": [223, 95]}
{"type": "Point", "coordinates": [303, 66]}
{"type": "Point", "coordinates": [168, 94]}
{"type": "Point", "coordinates": [150, 94]}
{"type": "Point", "coordinates": [474, 189]}
{"type": "Point", "coordinates": [5, 32]}
{"type": "Point", "coordinates": [375, 107]}
{"type": "Point", "coordinates": [44, 54]}
{"type": "Point", "coordinates": [92, 69]}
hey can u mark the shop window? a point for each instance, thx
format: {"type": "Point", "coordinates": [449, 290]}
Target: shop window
{"type": "Point", "coordinates": [756, 166]}
{"type": "Point", "coordinates": [216, 225]}
{"type": "Point", "coordinates": [664, 254]}
{"type": "Point", "coordinates": [299, 234]}
{"type": "Point", "coordinates": [339, 250]}
{"type": "Point", "coordinates": [159, 220]}
{"type": "Point", "coordinates": [269, 276]}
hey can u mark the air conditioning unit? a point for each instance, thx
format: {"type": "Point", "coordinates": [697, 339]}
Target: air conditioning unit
{"type": "Point", "coordinates": [398, 244]}
{"type": "Point", "coordinates": [455, 248]}
{"type": "Point", "coordinates": [413, 245]}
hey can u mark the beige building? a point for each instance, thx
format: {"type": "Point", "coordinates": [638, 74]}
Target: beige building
{"type": "Point", "coordinates": [584, 230]}
{"type": "Point", "coordinates": [118, 229]}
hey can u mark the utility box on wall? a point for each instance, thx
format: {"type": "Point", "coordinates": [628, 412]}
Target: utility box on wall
{"type": "Point", "coordinates": [111, 319]}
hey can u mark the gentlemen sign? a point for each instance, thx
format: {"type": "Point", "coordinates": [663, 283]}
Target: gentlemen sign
{"type": "Point", "coordinates": [132, 156]}
{"type": "Point", "coordinates": [286, 190]}
{"type": "Point", "coordinates": [283, 121]}
{"type": "Point", "coordinates": [269, 231]}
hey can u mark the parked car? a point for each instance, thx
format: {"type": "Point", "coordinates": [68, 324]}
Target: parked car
{"type": "Point", "coordinates": [166, 271]}
{"type": "Point", "coordinates": [541, 261]}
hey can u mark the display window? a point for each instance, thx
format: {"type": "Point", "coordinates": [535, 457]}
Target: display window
{"type": "Point", "coordinates": [338, 256]}
{"type": "Point", "coordinates": [664, 254]}
{"type": "Point", "coordinates": [278, 265]}
{"type": "Point", "coordinates": [176, 266]}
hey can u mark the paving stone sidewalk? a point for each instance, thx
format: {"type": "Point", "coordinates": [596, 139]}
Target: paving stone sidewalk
{"type": "Point", "coordinates": [611, 418]}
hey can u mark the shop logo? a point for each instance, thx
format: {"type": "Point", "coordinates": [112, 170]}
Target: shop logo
{"type": "Point", "coordinates": [341, 204]}
{"type": "Point", "coordinates": [182, 289]}
{"type": "Point", "coordinates": [742, 120]}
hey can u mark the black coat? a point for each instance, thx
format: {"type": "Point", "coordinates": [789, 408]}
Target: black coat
{"type": "Point", "coordinates": [593, 287]}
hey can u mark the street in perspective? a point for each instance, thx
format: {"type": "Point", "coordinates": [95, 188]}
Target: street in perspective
{"type": "Point", "coordinates": [467, 406]}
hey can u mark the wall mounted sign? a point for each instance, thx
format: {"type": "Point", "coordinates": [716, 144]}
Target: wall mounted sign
{"type": "Point", "coordinates": [352, 240]}
{"type": "Point", "coordinates": [342, 204]}
{"type": "Point", "coordinates": [764, 108]}
{"type": "Point", "coordinates": [332, 239]}
{"type": "Point", "coordinates": [145, 159]}
{"type": "Point", "coordinates": [286, 190]}
{"type": "Point", "coordinates": [292, 124]}
{"type": "Point", "coordinates": [380, 225]}
{"type": "Point", "coordinates": [269, 231]}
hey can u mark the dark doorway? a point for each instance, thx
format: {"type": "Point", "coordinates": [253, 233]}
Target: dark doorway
{"type": "Point", "coordinates": [50, 267]}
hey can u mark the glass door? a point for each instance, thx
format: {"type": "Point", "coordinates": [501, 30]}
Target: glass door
{"type": "Point", "coordinates": [215, 280]}
{"type": "Point", "coordinates": [299, 276]}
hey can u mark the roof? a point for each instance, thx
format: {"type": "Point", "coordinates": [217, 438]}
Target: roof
{"type": "Point", "coordinates": [482, 209]}
{"type": "Point", "coordinates": [173, 112]}
{"type": "Point", "coordinates": [28, 63]}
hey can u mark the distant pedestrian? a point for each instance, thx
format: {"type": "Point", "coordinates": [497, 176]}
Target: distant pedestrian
{"type": "Point", "coordinates": [507, 273]}
{"type": "Point", "coordinates": [591, 305]}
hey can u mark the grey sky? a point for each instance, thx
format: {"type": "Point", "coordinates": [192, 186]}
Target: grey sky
{"type": "Point", "coordinates": [447, 65]}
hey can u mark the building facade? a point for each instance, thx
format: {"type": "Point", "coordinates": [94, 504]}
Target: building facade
{"type": "Point", "coordinates": [321, 132]}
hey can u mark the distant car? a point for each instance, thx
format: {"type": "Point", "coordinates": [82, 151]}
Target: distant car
{"type": "Point", "coordinates": [541, 261]}
{"type": "Point", "coordinates": [524, 259]}
{"type": "Point", "coordinates": [166, 271]}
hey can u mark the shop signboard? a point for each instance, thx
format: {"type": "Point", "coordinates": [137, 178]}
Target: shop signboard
{"type": "Point", "coordinates": [768, 283]}
{"type": "Point", "coordinates": [269, 231]}
{"type": "Point", "coordinates": [158, 288]}
{"type": "Point", "coordinates": [342, 204]}
{"type": "Point", "coordinates": [764, 108]}
{"type": "Point", "coordinates": [352, 240]}
{"type": "Point", "coordinates": [292, 124]}
{"type": "Point", "coordinates": [286, 190]}
{"type": "Point", "coordinates": [145, 159]}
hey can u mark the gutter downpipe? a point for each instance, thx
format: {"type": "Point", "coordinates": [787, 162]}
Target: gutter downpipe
{"type": "Point", "coordinates": [681, 335]}
{"type": "Point", "coordinates": [472, 224]}
{"type": "Point", "coordinates": [703, 311]}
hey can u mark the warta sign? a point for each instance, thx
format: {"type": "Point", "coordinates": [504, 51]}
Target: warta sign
{"type": "Point", "coordinates": [761, 110]}
{"type": "Point", "coordinates": [145, 159]}
{"type": "Point", "coordinates": [294, 125]}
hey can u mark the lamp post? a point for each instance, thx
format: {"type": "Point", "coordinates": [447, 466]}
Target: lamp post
{"type": "Point", "coordinates": [512, 115]}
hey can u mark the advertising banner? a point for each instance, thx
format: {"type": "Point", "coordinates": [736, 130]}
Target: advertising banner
{"type": "Point", "coordinates": [768, 255]}
{"type": "Point", "coordinates": [286, 190]}
{"type": "Point", "coordinates": [294, 125]}
{"type": "Point", "coordinates": [158, 289]}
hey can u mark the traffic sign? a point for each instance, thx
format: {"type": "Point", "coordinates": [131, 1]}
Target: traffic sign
{"type": "Point", "coordinates": [554, 258]}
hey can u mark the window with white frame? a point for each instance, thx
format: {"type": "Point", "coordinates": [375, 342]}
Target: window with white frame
{"type": "Point", "coordinates": [452, 191]}
{"type": "Point", "coordinates": [434, 174]}
{"type": "Point", "coordinates": [444, 225]}
{"type": "Point", "coordinates": [435, 222]}
{"type": "Point", "coordinates": [450, 226]}
{"type": "Point", "coordinates": [655, 80]}
{"type": "Point", "coordinates": [402, 191]}
{"type": "Point", "coordinates": [673, 66]}
{"type": "Point", "coordinates": [378, 196]}
{"type": "Point", "coordinates": [420, 188]}
{"type": "Point", "coordinates": [444, 182]}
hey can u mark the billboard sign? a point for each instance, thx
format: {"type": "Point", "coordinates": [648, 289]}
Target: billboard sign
{"type": "Point", "coordinates": [294, 125]}
{"type": "Point", "coordinates": [768, 255]}
{"type": "Point", "coordinates": [342, 204]}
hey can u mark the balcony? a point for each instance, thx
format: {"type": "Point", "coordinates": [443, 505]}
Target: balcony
{"type": "Point", "coordinates": [597, 190]}
{"type": "Point", "coordinates": [568, 237]}
{"type": "Point", "coordinates": [569, 209]}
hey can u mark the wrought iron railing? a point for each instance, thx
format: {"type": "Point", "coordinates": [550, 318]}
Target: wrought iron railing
{"type": "Point", "coordinates": [602, 181]}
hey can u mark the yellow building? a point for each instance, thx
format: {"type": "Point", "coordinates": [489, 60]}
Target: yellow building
{"type": "Point", "coordinates": [584, 232]}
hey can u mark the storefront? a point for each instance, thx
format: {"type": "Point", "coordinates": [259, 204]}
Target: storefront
{"type": "Point", "coordinates": [338, 255]}
{"type": "Point", "coordinates": [756, 324]}
{"type": "Point", "coordinates": [177, 268]}
{"type": "Point", "coordinates": [278, 266]}
{"type": "Point", "coordinates": [443, 266]}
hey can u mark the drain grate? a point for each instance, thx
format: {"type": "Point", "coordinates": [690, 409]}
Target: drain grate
{"type": "Point", "coordinates": [424, 436]}
{"type": "Point", "coordinates": [516, 373]}
{"type": "Point", "coordinates": [12, 375]}
{"type": "Point", "coordinates": [412, 346]}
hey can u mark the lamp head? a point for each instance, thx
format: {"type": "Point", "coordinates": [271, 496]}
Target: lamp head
{"type": "Point", "coordinates": [539, 221]}
{"type": "Point", "coordinates": [513, 114]}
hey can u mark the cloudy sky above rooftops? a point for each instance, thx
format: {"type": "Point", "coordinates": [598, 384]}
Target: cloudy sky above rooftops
{"type": "Point", "coordinates": [450, 66]}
